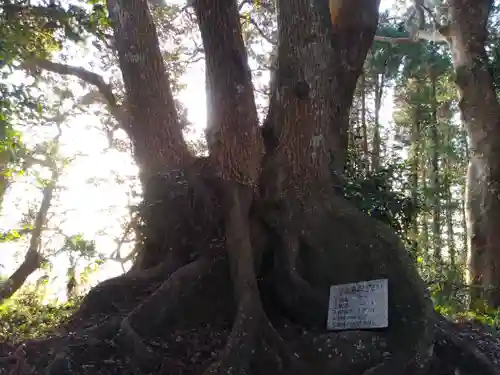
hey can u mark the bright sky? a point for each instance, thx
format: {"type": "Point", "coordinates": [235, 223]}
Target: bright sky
{"type": "Point", "coordinates": [98, 210]}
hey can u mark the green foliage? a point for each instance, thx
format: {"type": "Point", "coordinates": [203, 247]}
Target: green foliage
{"type": "Point", "coordinates": [77, 245]}
{"type": "Point", "coordinates": [25, 317]}
{"type": "Point", "coordinates": [375, 193]}
{"type": "Point", "coordinates": [487, 316]}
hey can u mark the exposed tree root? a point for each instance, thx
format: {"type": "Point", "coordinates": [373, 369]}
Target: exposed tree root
{"type": "Point", "coordinates": [462, 353]}
{"type": "Point", "coordinates": [158, 307]}
{"type": "Point", "coordinates": [156, 317]}
{"type": "Point", "coordinates": [59, 344]}
{"type": "Point", "coordinates": [309, 259]}
{"type": "Point", "coordinates": [241, 344]}
{"type": "Point", "coordinates": [113, 295]}
{"type": "Point", "coordinates": [251, 322]}
{"type": "Point", "coordinates": [298, 298]}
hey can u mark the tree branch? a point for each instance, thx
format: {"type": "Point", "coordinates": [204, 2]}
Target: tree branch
{"type": "Point", "coordinates": [118, 112]}
{"type": "Point", "coordinates": [437, 33]}
{"type": "Point", "coordinates": [428, 35]}
{"type": "Point", "coordinates": [259, 29]}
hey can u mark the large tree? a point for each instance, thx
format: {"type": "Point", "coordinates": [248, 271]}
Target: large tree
{"type": "Point", "coordinates": [465, 31]}
{"type": "Point", "coordinates": [481, 115]}
{"type": "Point", "coordinates": [239, 249]}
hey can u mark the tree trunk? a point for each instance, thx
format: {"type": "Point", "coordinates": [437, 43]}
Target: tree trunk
{"type": "Point", "coordinates": [450, 212]}
{"type": "Point", "coordinates": [414, 180]}
{"type": "Point", "coordinates": [364, 128]}
{"type": "Point", "coordinates": [33, 259]}
{"type": "Point", "coordinates": [481, 115]}
{"type": "Point", "coordinates": [474, 207]}
{"type": "Point", "coordinates": [464, 208]}
{"type": "Point", "coordinates": [376, 143]}
{"type": "Point", "coordinates": [436, 186]}
{"type": "Point", "coordinates": [239, 250]}
{"type": "Point", "coordinates": [424, 242]}
{"type": "Point", "coordinates": [155, 129]}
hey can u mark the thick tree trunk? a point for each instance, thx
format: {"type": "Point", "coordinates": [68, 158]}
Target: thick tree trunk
{"type": "Point", "coordinates": [238, 258]}
{"type": "Point", "coordinates": [155, 129]}
{"type": "Point", "coordinates": [308, 206]}
{"type": "Point", "coordinates": [481, 114]}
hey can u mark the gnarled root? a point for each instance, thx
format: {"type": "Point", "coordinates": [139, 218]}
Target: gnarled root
{"type": "Point", "coordinates": [90, 337]}
{"type": "Point", "coordinates": [107, 296]}
{"type": "Point", "coordinates": [463, 354]}
{"type": "Point", "coordinates": [361, 249]}
{"type": "Point", "coordinates": [242, 340]}
{"type": "Point", "coordinates": [251, 322]}
{"type": "Point", "coordinates": [161, 305]}
{"type": "Point", "coordinates": [165, 303]}
{"type": "Point", "coordinates": [302, 303]}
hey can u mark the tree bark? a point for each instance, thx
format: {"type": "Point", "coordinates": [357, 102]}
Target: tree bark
{"type": "Point", "coordinates": [424, 232]}
{"type": "Point", "coordinates": [307, 205]}
{"type": "Point", "coordinates": [451, 206]}
{"type": "Point", "coordinates": [414, 177]}
{"type": "Point", "coordinates": [364, 127]}
{"type": "Point", "coordinates": [436, 186]}
{"type": "Point", "coordinates": [481, 115]}
{"type": "Point", "coordinates": [475, 193]}
{"type": "Point", "coordinates": [233, 136]}
{"type": "Point", "coordinates": [155, 129]}
{"type": "Point", "coordinates": [376, 143]}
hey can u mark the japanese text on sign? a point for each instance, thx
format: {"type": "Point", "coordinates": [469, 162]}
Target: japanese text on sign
{"type": "Point", "coordinates": [358, 305]}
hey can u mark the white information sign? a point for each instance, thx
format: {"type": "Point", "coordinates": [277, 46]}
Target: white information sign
{"type": "Point", "coordinates": [358, 305]}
